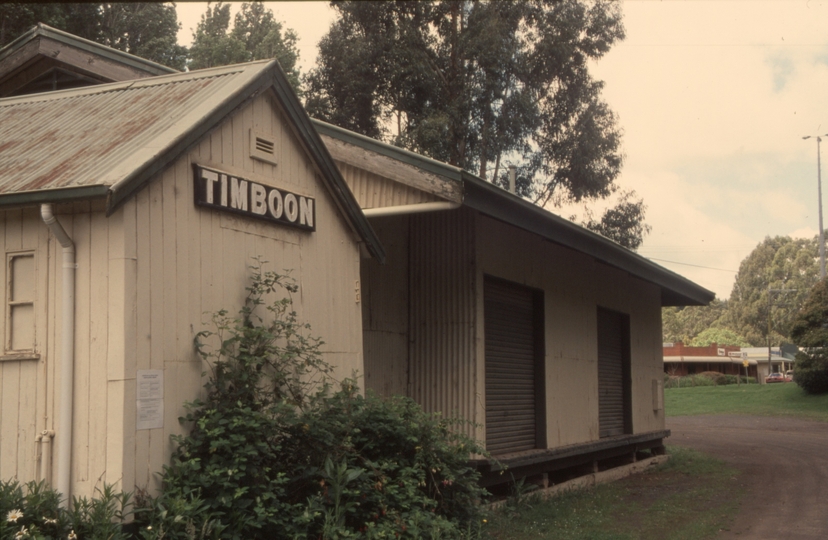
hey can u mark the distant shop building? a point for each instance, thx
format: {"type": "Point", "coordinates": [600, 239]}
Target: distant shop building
{"type": "Point", "coordinates": [681, 360]}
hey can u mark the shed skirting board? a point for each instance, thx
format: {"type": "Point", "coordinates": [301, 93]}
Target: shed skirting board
{"type": "Point", "coordinates": [591, 480]}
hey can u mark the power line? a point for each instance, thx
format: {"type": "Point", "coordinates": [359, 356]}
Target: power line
{"type": "Point", "coordinates": [694, 265]}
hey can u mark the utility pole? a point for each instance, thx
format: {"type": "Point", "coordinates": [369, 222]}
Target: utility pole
{"type": "Point", "coordinates": [819, 202]}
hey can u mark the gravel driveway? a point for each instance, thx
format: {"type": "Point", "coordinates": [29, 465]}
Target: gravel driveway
{"type": "Point", "coordinates": [785, 462]}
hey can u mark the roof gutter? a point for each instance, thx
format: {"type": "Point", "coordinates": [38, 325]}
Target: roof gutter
{"type": "Point", "coordinates": [67, 356]}
{"type": "Point", "coordinates": [410, 209]}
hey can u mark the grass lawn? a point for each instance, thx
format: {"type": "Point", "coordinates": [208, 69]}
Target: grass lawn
{"type": "Point", "coordinates": [690, 497]}
{"type": "Point", "coordinates": [781, 399]}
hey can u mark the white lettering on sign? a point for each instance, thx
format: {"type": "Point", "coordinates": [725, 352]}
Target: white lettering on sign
{"type": "Point", "coordinates": [238, 193]}
{"type": "Point", "coordinates": [306, 211]}
{"type": "Point", "coordinates": [215, 189]}
{"type": "Point", "coordinates": [211, 178]}
{"type": "Point", "coordinates": [274, 203]}
{"type": "Point", "coordinates": [291, 207]}
{"type": "Point", "coordinates": [257, 199]}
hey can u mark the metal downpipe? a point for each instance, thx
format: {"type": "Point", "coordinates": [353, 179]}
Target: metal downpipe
{"type": "Point", "coordinates": [63, 436]}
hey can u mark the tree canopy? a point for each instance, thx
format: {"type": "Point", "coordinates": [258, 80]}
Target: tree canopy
{"type": "Point", "coordinates": [145, 29]}
{"type": "Point", "coordinates": [150, 30]}
{"type": "Point", "coordinates": [484, 85]}
{"type": "Point", "coordinates": [810, 330]}
{"type": "Point", "coordinates": [810, 326]}
{"type": "Point", "coordinates": [782, 267]}
{"type": "Point", "coordinates": [256, 35]}
{"type": "Point", "coordinates": [82, 20]}
{"type": "Point", "coordinates": [719, 336]}
{"type": "Point", "coordinates": [685, 323]}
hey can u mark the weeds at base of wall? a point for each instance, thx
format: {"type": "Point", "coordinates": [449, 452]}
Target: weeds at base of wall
{"type": "Point", "coordinates": [33, 511]}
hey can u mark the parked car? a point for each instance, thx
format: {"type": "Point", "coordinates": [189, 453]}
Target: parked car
{"type": "Point", "coordinates": [775, 377]}
{"type": "Point", "coordinates": [789, 375]}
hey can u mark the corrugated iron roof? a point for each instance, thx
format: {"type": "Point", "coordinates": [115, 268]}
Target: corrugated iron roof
{"type": "Point", "coordinates": [108, 140]}
{"type": "Point", "coordinates": [43, 30]}
{"type": "Point", "coordinates": [485, 197]}
{"type": "Point", "coordinates": [95, 135]}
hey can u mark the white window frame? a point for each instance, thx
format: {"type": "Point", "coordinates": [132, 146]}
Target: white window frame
{"type": "Point", "coordinates": [13, 302]}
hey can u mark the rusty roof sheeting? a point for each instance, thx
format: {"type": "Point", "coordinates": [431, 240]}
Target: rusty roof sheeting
{"type": "Point", "coordinates": [108, 140]}
{"type": "Point", "coordinates": [98, 135]}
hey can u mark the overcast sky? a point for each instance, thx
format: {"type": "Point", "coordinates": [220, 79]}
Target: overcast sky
{"type": "Point", "coordinates": [714, 98]}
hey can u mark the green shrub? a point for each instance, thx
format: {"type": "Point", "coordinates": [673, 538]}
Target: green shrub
{"type": "Point", "coordinates": [811, 371]}
{"type": "Point", "coordinates": [689, 380]}
{"type": "Point", "coordinates": [33, 511]}
{"type": "Point", "coordinates": [706, 378]}
{"type": "Point", "coordinates": [275, 453]}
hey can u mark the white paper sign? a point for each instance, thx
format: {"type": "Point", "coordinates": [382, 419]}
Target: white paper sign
{"type": "Point", "coordinates": [150, 402]}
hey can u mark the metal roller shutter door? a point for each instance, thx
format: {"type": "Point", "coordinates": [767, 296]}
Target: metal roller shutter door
{"type": "Point", "coordinates": [611, 373]}
{"type": "Point", "coordinates": [511, 423]}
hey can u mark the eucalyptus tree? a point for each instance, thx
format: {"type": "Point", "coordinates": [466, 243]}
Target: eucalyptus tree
{"type": "Point", "coordinates": [483, 85]}
{"type": "Point", "coordinates": [255, 35]}
{"type": "Point", "coordinates": [686, 323]}
{"type": "Point", "coordinates": [772, 284]}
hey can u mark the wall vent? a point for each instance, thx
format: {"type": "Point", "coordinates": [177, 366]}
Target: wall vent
{"type": "Point", "coordinates": [262, 147]}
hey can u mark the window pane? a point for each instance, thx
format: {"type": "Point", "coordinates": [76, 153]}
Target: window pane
{"type": "Point", "coordinates": [22, 327]}
{"type": "Point", "coordinates": [22, 278]}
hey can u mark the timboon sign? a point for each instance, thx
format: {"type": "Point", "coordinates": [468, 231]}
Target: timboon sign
{"type": "Point", "coordinates": [223, 191]}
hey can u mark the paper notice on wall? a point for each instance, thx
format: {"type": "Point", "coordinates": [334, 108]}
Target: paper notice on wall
{"type": "Point", "coordinates": [150, 402]}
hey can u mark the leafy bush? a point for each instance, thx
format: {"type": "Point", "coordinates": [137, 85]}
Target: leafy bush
{"type": "Point", "coordinates": [275, 453]}
{"type": "Point", "coordinates": [706, 378]}
{"type": "Point", "coordinates": [33, 511]}
{"type": "Point", "coordinates": [810, 330]}
{"type": "Point", "coordinates": [811, 372]}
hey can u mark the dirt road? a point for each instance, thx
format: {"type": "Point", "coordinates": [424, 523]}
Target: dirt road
{"type": "Point", "coordinates": [785, 464]}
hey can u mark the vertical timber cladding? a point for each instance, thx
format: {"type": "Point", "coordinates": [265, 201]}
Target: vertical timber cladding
{"type": "Point", "coordinates": [614, 385]}
{"type": "Point", "coordinates": [515, 419]}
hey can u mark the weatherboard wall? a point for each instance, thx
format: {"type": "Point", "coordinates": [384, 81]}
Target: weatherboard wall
{"type": "Point", "coordinates": [149, 277]}
{"type": "Point", "coordinates": [24, 400]}
{"type": "Point", "coordinates": [195, 261]}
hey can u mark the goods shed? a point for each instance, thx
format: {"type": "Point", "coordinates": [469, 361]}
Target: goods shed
{"type": "Point", "coordinates": [128, 213]}
{"type": "Point", "coordinates": [545, 336]}
{"type": "Point", "coordinates": [431, 282]}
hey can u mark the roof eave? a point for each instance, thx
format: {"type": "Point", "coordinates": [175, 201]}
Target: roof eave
{"type": "Point", "coordinates": [44, 30]}
{"type": "Point", "coordinates": [499, 204]}
{"type": "Point", "coordinates": [406, 156]}
{"type": "Point", "coordinates": [60, 195]}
